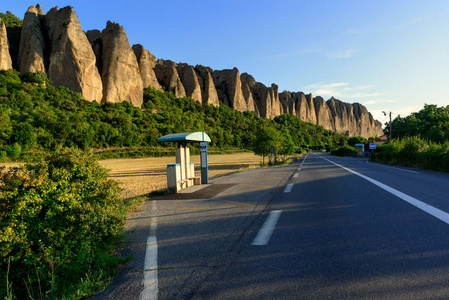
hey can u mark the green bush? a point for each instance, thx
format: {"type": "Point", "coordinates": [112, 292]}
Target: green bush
{"type": "Point", "coordinates": [344, 150]}
{"type": "Point", "coordinates": [415, 152]}
{"type": "Point", "coordinates": [56, 217]}
{"type": "Point", "coordinates": [14, 150]}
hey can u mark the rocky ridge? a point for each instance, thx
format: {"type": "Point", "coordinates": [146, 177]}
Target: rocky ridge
{"type": "Point", "coordinates": [102, 66]}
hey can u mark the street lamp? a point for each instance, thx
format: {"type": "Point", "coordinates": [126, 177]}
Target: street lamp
{"type": "Point", "coordinates": [391, 125]}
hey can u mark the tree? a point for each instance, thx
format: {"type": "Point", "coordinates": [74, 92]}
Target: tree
{"type": "Point", "coordinates": [356, 140]}
{"type": "Point", "coordinates": [287, 146]}
{"type": "Point", "coordinates": [263, 142]}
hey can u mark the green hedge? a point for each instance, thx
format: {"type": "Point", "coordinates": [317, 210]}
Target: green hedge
{"type": "Point", "coordinates": [415, 152]}
{"type": "Point", "coordinates": [344, 150]}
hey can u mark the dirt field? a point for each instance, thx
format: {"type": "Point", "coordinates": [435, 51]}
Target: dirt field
{"type": "Point", "coordinates": [140, 176]}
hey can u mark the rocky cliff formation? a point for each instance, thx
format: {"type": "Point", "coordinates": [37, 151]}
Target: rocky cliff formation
{"type": "Point", "coordinates": [364, 122]}
{"type": "Point", "coordinates": [229, 88]}
{"type": "Point", "coordinates": [120, 71]}
{"type": "Point", "coordinates": [5, 57]}
{"type": "Point", "coordinates": [168, 77]}
{"type": "Point", "coordinates": [147, 62]}
{"type": "Point", "coordinates": [72, 61]}
{"type": "Point", "coordinates": [208, 91]}
{"type": "Point", "coordinates": [323, 114]}
{"type": "Point", "coordinates": [248, 83]}
{"type": "Point", "coordinates": [275, 102]}
{"type": "Point", "coordinates": [189, 80]}
{"type": "Point", "coordinates": [94, 38]}
{"type": "Point", "coordinates": [265, 100]}
{"type": "Point", "coordinates": [102, 66]}
{"type": "Point", "coordinates": [32, 43]}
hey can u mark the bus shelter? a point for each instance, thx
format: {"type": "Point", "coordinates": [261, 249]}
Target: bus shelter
{"type": "Point", "coordinates": [361, 152]}
{"type": "Point", "coordinates": [182, 174]}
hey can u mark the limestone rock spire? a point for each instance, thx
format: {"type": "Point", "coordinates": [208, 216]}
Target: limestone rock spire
{"type": "Point", "coordinates": [147, 62]}
{"type": "Point", "coordinates": [5, 57]}
{"type": "Point", "coordinates": [32, 43]}
{"type": "Point", "coordinates": [72, 61]}
{"type": "Point", "coordinates": [120, 70]}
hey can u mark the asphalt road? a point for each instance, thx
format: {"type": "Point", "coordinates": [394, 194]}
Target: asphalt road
{"type": "Point", "coordinates": [322, 228]}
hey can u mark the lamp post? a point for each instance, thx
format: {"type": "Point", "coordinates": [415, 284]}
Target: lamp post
{"type": "Point", "coordinates": [391, 125]}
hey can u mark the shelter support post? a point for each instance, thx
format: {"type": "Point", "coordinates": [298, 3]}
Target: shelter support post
{"type": "Point", "coordinates": [204, 163]}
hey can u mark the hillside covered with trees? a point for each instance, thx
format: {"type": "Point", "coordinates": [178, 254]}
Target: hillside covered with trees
{"type": "Point", "coordinates": [36, 117]}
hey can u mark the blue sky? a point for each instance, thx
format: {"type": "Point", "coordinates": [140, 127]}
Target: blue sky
{"type": "Point", "coordinates": [387, 55]}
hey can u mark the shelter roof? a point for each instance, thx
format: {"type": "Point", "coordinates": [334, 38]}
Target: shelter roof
{"type": "Point", "coordinates": [192, 137]}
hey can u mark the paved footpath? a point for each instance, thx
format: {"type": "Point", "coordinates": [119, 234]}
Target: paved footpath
{"type": "Point", "coordinates": [179, 241]}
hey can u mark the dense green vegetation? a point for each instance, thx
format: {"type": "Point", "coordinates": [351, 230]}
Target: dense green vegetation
{"type": "Point", "coordinates": [420, 140]}
{"type": "Point", "coordinates": [415, 152]}
{"type": "Point", "coordinates": [430, 123]}
{"type": "Point", "coordinates": [57, 220]}
{"type": "Point", "coordinates": [345, 151]}
{"type": "Point", "coordinates": [36, 117]}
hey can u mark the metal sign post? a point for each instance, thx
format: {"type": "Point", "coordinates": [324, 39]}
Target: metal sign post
{"type": "Point", "coordinates": [204, 163]}
{"type": "Point", "coordinates": [372, 146]}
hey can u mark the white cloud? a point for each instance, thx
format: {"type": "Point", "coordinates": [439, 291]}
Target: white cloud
{"type": "Point", "coordinates": [378, 101]}
{"type": "Point", "coordinates": [363, 87]}
{"type": "Point", "coordinates": [324, 93]}
{"type": "Point", "coordinates": [375, 101]}
{"type": "Point", "coordinates": [364, 95]}
{"type": "Point", "coordinates": [341, 54]}
{"type": "Point", "coordinates": [342, 90]}
{"type": "Point", "coordinates": [352, 31]}
{"type": "Point", "coordinates": [327, 86]}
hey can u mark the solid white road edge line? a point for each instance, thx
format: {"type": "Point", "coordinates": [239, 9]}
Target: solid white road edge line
{"type": "Point", "coordinates": [150, 280]}
{"type": "Point", "coordinates": [263, 236]}
{"type": "Point", "coordinates": [288, 188]}
{"type": "Point", "coordinates": [439, 214]}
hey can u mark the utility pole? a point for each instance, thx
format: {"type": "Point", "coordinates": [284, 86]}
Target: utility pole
{"type": "Point", "coordinates": [391, 125]}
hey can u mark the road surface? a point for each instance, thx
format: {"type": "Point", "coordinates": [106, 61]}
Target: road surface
{"type": "Point", "coordinates": [322, 228]}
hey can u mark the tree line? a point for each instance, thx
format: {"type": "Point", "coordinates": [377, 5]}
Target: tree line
{"type": "Point", "coordinates": [430, 123]}
{"type": "Point", "coordinates": [419, 140]}
{"type": "Point", "coordinates": [36, 117]}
